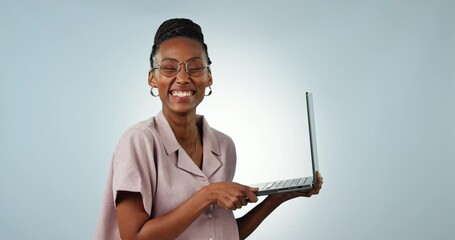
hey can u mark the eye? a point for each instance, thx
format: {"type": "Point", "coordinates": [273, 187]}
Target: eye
{"type": "Point", "coordinates": [169, 67]}
{"type": "Point", "coordinates": [196, 65]}
{"type": "Point", "coordinates": [196, 69]}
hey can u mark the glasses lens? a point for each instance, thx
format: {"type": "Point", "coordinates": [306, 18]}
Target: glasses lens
{"type": "Point", "coordinates": [169, 67]}
{"type": "Point", "coordinates": [196, 67]}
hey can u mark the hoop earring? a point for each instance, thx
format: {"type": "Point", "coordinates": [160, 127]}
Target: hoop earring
{"type": "Point", "coordinates": [210, 91]}
{"type": "Point", "coordinates": [152, 93]}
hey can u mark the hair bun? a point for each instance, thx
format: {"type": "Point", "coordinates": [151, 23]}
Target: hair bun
{"type": "Point", "coordinates": [178, 26]}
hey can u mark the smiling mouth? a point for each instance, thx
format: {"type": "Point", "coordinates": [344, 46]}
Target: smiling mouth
{"type": "Point", "coordinates": [182, 93]}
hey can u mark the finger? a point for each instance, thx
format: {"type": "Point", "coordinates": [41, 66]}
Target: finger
{"type": "Point", "coordinates": [242, 200]}
{"type": "Point", "coordinates": [251, 195]}
{"type": "Point", "coordinates": [230, 206]}
{"type": "Point", "coordinates": [237, 204]}
{"type": "Point", "coordinates": [235, 201]}
{"type": "Point", "coordinates": [253, 189]}
{"type": "Point", "coordinates": [321, 179]}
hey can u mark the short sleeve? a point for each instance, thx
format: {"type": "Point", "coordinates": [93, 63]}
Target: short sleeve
{"type": "Point", "coordinates": [232, 159]}
{"type": "Point", "coordinates": [134, 166]}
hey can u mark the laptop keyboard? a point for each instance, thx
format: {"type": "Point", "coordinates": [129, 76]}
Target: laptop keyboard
{"type": "Point", "coordinates": [285, 183]}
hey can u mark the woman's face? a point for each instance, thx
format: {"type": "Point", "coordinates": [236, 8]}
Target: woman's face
{"type": "Point", "coordinates": [182, 93]}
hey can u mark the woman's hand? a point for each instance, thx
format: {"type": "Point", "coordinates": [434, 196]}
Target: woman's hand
{"type": "Point", "coordinates": [250, 221]}
{"type": "Point", "coordinates": [283, 197]}
{"type": "Point", "coordinates": [231, 195]}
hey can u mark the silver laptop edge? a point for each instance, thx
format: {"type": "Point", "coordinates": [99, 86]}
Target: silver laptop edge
{"type": "Point", "coordinates": [312, 131]}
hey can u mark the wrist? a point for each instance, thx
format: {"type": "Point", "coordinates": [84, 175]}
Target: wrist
{"type": "Point", "coordinates": [272, 202]}
{"type": "Point", "coordinates": [207, 196]}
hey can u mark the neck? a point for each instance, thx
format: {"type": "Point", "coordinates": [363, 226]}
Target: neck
{"type": "Point", "coordinates": [183, 126]}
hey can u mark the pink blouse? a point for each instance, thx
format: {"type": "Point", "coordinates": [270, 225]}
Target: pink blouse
{"type": "Point", "coordinates": [149, 160]}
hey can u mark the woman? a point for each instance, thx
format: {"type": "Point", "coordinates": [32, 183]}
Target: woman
{"type": "Point", "coordinates": [171, 176]}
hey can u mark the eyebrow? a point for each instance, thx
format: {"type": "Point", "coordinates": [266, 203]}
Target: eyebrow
{"type": "Point", "coordinates": [182, 61]}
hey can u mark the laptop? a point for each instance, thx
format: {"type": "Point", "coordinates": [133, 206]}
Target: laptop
{"type": "Point", "coordinates": [302, 184]}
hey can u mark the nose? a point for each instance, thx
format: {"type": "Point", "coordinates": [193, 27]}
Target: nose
{"type": "Point", "coordinates": [182, 75]}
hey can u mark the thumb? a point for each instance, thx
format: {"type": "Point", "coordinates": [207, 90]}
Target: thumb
{"type": "Point", "coordinates": [254, 189]}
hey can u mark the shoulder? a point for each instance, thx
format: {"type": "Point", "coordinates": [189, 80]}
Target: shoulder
{"type": "Point", "coordinates": [136, 147]}
{"type": "Point", "coordinates": [146, 128]}
{"type": "Point", "coordinates": [222, 138]}
{"type": "Point", "coordinates": [216, 139]}
{"type": "Point", "coordinates": [139, 135]}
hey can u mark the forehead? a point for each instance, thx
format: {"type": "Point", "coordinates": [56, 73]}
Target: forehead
{"type": "Point", "coordinates": [180, 48]}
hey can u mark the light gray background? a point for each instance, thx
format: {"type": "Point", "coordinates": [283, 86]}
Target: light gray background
{"type": "Point", "coordinates": [73, 78]}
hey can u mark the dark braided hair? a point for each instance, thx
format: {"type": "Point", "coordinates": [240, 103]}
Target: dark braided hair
{"type": "Point", "coordinates": [177, 27]}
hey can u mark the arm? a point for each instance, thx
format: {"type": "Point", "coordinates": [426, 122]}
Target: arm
{"type": "Point", "coordinates": [135, 223]}
{"type": "Point", "coordinates": [250, 221]}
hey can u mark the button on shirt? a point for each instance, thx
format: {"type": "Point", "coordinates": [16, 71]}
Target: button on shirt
{"type": "Point", "coordinates": [149, 160]}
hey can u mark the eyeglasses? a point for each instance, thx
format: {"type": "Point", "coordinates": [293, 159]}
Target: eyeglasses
{"type": "Point", "coordinates": [195, 67]}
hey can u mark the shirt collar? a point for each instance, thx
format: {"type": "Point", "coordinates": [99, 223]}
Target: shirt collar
{"type": "Point", "coordinates": [211, 148]}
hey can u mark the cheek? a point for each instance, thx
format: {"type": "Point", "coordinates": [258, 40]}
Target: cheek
{"type": "Point", "coordinates": [163, 84]}
{"type": "Point", "coordinates": [202, 86]}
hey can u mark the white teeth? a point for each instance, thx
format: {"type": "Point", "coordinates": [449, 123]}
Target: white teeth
{"type": "Point", "coordinates": [182, 94]}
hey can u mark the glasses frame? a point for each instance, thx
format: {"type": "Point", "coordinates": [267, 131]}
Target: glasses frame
{"type": "Point", "coordinates": [206, 68]}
